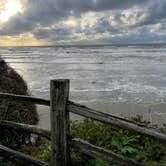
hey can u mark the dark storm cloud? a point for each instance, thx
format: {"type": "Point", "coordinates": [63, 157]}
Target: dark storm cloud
{"type": "Point", "coordinates": [95, 5]}
{"type": "Point", "coordinates": [157, 12]}
{"type": "Point", "coordinates": [113, 17]}
{"type": "Point", "coordinates": [69, 33]}
{"type": "Point", "coordinates": [17, 26]}
{"type": "Point", "coordinates": [103, 26]}
{"type": "Point", "coordinates": [39, 12]}
{"type": "Point", "coordinates": [53, 34]}
{"type": "Point", "coordinates": [135, 38]}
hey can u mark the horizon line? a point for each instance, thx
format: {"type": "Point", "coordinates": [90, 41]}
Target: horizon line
{"type": "Point", "coordinates": [70, 45]}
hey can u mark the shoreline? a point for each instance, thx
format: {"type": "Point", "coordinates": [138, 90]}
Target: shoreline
{"type": "Point", "coordinates": [153, 113]}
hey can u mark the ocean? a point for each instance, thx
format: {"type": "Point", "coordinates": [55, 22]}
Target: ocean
{"type": "Point", "coordinates": [125, 80]}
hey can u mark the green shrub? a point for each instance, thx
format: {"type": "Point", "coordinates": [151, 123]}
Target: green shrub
{"type": "Point", "coordinates": [120, 141]}
{"type": "Point", "coordinates": [23, 112]}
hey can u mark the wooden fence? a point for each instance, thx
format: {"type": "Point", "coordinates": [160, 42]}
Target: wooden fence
{"type": "Point", "coordinates": [61, 141]}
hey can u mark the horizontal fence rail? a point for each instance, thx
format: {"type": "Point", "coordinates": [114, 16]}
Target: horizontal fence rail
{"type": "Point", "coordinates": [98, 152]}
{"type": "Point", "coordinates": [60, 137]}
{"type": "Point", "coordinates": [26, 159]}
{"type": "Point", "coordinates": [22, 98]}
{"type": "Point", "coordinates": [25, 127]}
{"type": "Point", "coordinates": [113, 120]}
{"type": "Point", "coordinates": [93, 114]}
{"type": "Point", "coordinates": [85, 147]}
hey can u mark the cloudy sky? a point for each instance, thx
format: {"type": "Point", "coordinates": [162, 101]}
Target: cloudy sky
{"type": "Point", "coordinates": [42, 22]}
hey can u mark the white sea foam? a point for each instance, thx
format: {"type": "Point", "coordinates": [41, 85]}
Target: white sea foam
{"type": "Point", "coordinates": [112, 73]}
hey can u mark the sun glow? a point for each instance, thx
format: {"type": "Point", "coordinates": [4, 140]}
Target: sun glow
{"type": "Point", "coordinates": [26, 39]}
{"type": "Point", "coordinates": [10, 9]}
{"type": "Point", "coordinates": [71, 23]}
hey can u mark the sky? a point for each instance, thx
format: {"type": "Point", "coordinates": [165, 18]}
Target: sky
{"type": "Point", "coordinates": [52, 22]}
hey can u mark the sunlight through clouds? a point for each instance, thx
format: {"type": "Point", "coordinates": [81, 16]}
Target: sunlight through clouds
{"type": "Point", "coordinates": [21, 40]}
{"type": "Point", "coordinates": [71, 23]}
{"type": "Point", "coordinates": [93, 21]}
{"type": "Point", "coordinates": [10, 8]}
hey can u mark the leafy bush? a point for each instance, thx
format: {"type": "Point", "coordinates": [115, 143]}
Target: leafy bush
{"type": "Point", "coordinates": [120, 141]}
{"type": "Point", "coordinates": [23, 112]}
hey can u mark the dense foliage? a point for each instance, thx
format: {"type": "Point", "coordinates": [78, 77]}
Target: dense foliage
{"type": "Point", "coordinates": [120, 141]}
{"type": "Point", "coordinates": [12, 82]}
{"type": "Point", "coordinates": [24, 112]}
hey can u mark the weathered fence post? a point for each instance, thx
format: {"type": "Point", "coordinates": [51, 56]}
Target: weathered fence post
{"type": "Point", "coordinates": [60, 152]}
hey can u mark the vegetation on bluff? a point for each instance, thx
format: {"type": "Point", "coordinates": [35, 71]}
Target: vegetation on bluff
{"type": "Point", "coordinates": [24, 112]}
{"type": "Point", "coordinates": [122, 142]}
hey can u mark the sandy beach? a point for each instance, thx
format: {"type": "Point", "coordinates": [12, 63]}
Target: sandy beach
{"type": "Point", "coordinates": [155, 114]}
{"type": "Point", "coordinates": [124, 80]}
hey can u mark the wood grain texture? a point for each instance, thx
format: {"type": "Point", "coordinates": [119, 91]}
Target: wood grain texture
{"type": "Point", "coordinates": [13, 155]}
{"type": "Point", "coordinates": [96, 115]}
{"type": "Point", "coordinates": [60, 107]}
{"type": "Point", "coordinates": [60, 150]}
{"type": "Point", "coordinates": [98, 152]}
{"type": "Point", "coordinates": [113, 120]}
{"type": "Point", "coordinates": [22, 98]}
{"type": "Point", "coordinates": [25, 127]}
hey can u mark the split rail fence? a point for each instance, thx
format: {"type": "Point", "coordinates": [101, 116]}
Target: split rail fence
{"type": "Point", "coordinates": [61, 140]}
